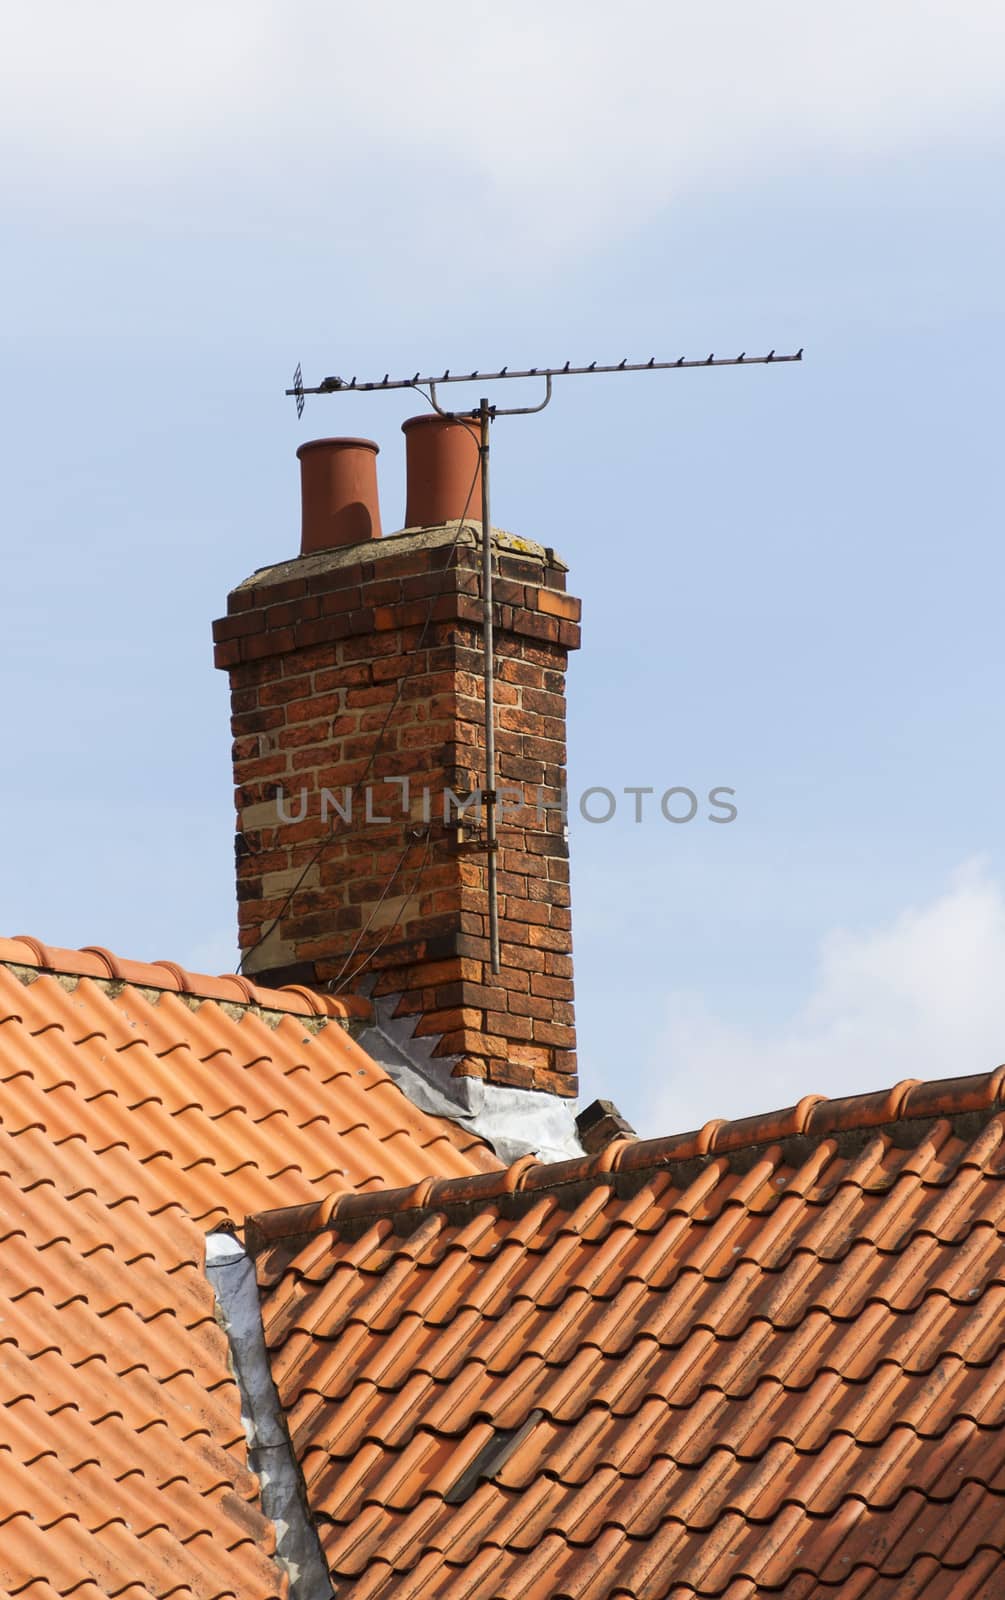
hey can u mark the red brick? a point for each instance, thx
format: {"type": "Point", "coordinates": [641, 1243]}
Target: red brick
{"type": "Point", "coordinates": [510, 1024]}
{"type": "Point", "coordinates": [227, 655]}
{"type": "Point", "coordinates": [267, 644]}
{"type": "Point", "coordinates": [554, 1033]}
{"type": "Point", "coordinates": [341, 677]}
{"type": "Point", "coordinates": [552, 987]}
{"type": "Point", "coordinates": [264, 767]}
{"type": "Point", "coordinates": [256, 721]}
{"type": "Point", "coordinates": [446, 1021]}
{"type": "Point", "coordinates": [557, 605]}
{"type": "Point", "coordinates": [238, 626]}
{"type": "Point", "coordinates": [285, 689]}
{"type": "Point", "coordinates": [291, 611]}
{"type": "Point", "coordinates": [345, 595]}
{"type": "Point", "coordinates": [530, 1005]}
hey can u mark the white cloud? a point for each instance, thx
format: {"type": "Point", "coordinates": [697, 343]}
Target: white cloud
{"type": "Point", "coordinates": [570, 113]}
{"type": "Point", "coordinates": [922, 997]}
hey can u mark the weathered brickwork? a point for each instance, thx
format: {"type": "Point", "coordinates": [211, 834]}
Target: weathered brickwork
{"type": "Point", "coordinates": [358, 667]}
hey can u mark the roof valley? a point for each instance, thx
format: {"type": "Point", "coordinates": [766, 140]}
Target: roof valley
{"type": "Point", "coordinates": [270, 1453]}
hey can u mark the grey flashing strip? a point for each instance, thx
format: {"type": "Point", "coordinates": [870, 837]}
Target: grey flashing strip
{"type": "Point", "coordinates": [515, 1122]}
{"type": "Point", "coordinates": [270, 1453]}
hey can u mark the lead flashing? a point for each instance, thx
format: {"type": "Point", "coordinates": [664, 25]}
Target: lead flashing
{"type": "Point", "coordinates": [270, 1453]}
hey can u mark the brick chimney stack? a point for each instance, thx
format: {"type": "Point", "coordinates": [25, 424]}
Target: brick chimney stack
{"type": "Point", "coordinates": [357, 699]}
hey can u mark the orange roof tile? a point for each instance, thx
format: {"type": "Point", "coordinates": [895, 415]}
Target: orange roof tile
{"type": "Point", "coordinates": [141, 1105]}
{"type": "Point", "coordinates": [764, 1358]}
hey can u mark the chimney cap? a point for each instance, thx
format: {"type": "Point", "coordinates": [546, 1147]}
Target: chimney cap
{"type": "Point", "coordinates": [600, 1124]}
{"type": "Point", "coordinates": [357, 444]}
{"type": "Point", "coordinates": [433, 418]}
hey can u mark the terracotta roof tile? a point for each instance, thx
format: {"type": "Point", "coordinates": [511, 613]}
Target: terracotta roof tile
{"type": "Point", "coordinates": [764, 1358]}
{"type": "Point", "coordinates": [139, 1106]}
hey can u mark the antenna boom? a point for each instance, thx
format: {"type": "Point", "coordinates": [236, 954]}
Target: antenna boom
{"type": "Point", "coordinates": [335, 385]}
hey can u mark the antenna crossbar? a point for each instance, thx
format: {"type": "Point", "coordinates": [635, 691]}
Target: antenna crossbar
{"type": "Point", "coordinates": [486, 414]}
{"type": "Point", "coordinates": [336, 385]}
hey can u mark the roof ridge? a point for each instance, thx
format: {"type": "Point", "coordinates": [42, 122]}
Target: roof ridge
{"type": "Point", "coordinates": [94, 961]}
{"type": "Point", "coordinates": [813, 1117]}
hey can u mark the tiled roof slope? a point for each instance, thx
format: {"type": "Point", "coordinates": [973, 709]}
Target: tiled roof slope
{"type": "Point", "coordinates": [139, 1105]}
{"type": "Point", "coordinates": [764, 1359]}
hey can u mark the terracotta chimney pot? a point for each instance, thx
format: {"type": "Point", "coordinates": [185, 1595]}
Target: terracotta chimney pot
{"type": "Point", "coordinates": [443, 471]}
{"type": "Point", "coordinates": [338, 487]}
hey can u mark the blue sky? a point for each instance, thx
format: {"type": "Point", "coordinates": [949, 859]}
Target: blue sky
{"type": "Point", "coordinates": [791, 578]}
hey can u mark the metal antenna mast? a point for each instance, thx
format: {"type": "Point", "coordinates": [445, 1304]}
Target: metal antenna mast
{"type": "Point", "coordinates": [484, 415]}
